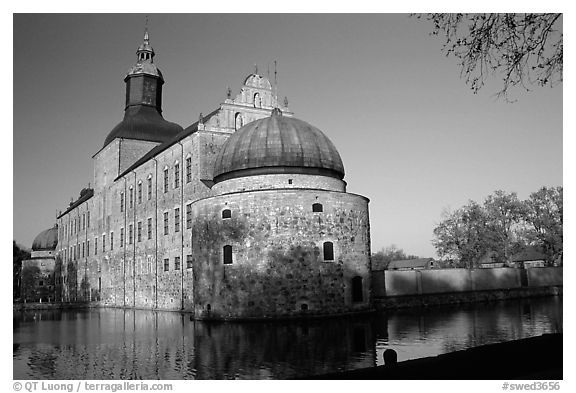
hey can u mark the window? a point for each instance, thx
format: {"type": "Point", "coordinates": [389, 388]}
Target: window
{"type": "Point", "coordinates": [121, 237]}
{"type": "Point", "coordinates": [189, 261]}
{"type": "Point", "coordinates": [87, 248]}
{"type": "Point", "coordinates": [139, 231]}
{"type": "Point", "coordinates": [83, 249]}
{"type": "Point", "coordinates": [188, 169]}
{"type": "Point", "coordinates": [140, 192]}
{"type": "Point", "coordinates": [317, 208]}
{"type": "Point", "coordinates": [357, 295]}
{"type": "Point", "coordinates": [189, 216]}
{"type": "Point", "coordinates": [111, 241]}
{"type": "Point", "coordinates": [149, 228]}
{"type": "Point", "coordinates": [238, 121]}
{"type": "Point", "coordinates": [166, 264]}
{"type": "Point", "coordinates": [131, 198]}
{"type": "Point", "coordinates": [88, 219]}
{"type": "Point", "coordinates": [176, 175]}
{"type": "Point", "coordinates": [177, 219]}
{"type": "Point", "coordinates": [95, 246]}
{"type": "Point", "coordinates": [130, 233]}
{"type": "Point", "coordinates": [149, 188]}
{"type": "Point", "coordinates": [227, 254]}
{"type": "Point", "coordinates": [226, 213]}
{"type": "Point", "coordinates": [328, 251]}
{"type": "Point", "coordinates": [121, 202]}
{"type": "Point", "coordinates": [103, 243]}
{"type": "Point", "coordinates": [289, 181]}
{"type": "Point", "coordinates": [166, 180]}
{"type": "Point", "coordinates": [83, 221]}
{"type": "Point", "coordinates": [177, 263]}
{"type": "Point", "coordinates": [165, 223]}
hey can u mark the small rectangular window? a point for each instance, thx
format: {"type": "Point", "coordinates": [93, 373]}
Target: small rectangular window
{"type": "Point", "coordinates": [176, 175]}
{"type": "Point", "coordinates": [139, 193]}
{"type": "Point", "coordinates": [131, 198]}
{"type": "Point", "coordinates": [166, 264]}
{"type": "Point", "coordinates": [188, 169]}
{"type": "Point", "coordinates": [189, 216]}
{"type": "Point", "coordinates": [166, 180]}
{"type": "Point", "coordinates": [121, 237]}
{"type": "Point", "coordinates": [177, 219]}
{"type": "Point", "coordinates": [87, 248]}
{"type": "Point", "coordinates": [88, 220]}
{"type": "Point", "coordinates": [149, 188]}
{"type": "Point", "coordinates": [130, 233]}
{"type": "Point", "coordinates": [189, 261]}
{"type": "Point", "coordinates": [149, 228]}
{"type": "Point", "coordinates": [177, 263]}
{"type": "Point", "coordinates": [139, 231]}
{"type": "Point", "coordinates": [121, 202]}
{"type": "Point", "coordinates": [95, 246]}
{"type": "Point", "coordinates": [165, 223]}
{"type": "Point", "coordinates": [111, 241]}
{"type": "Point", "coordinates": [83, 249]}
{"type": "Point", "coordinates": [103, 243]}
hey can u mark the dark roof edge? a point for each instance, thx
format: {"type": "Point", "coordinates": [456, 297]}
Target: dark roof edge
{"type": "Point", "coordinates": [89, 194]}
{"type": "Point", "coordinates": [160, 148]}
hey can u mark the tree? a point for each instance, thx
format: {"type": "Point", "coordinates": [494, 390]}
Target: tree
{"type": "Point", "coordinates": [464, 236]}
{"type": "Point", "coordinates": [504, 211]}
{"type": "Point", "coordinates": [545, 211]}
{"type": "Point", "coordinates": [382, 258]}
{"type": "Point", "coordinates": [18, 255]}
{"type": "Point", "coordinates": [525, 49]}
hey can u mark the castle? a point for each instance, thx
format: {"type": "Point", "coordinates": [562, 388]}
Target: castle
{"type": "Point", "coordinates": [243, 214]}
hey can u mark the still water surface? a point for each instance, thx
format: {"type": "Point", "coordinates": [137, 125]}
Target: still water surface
{"type": "Point", "coordinates": [136, 344]}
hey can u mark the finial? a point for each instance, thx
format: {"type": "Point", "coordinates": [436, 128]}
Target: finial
{"type": "Point", "coordinates": [228, 92]}
{"type": "Point", "coordinates": [146, 38]}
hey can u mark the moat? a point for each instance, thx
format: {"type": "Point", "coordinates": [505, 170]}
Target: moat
{"type": "Point", "coordinates": [136, 344]}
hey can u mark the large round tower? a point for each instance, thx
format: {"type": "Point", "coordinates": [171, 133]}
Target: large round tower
{"type": "Point", "coordinates": [281, 236]}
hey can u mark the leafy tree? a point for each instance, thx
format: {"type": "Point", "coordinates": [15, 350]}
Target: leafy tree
{"type": "Point", "coordinates": [30, 276]}
{"type": "Point", "coordinates": [18, 255]}
{"type": "Point", "coordinates": [382, 258]}
{"type": "Point", "coordinates": [464, 236]}
{"type": "Point", "coordinates": [545, 219]}
{"type": "Point", "coordinates": [504, 211]}
{"type": "Point", "coordinates": [525, 49]}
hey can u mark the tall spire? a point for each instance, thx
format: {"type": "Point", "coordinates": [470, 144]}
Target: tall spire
{"type": "Point", "coordinates": [145, 52]}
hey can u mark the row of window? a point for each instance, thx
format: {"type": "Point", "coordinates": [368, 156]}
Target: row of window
{"type": "Point", "coordinates": [75, 225]}
{"type": "Point", "coordinates": [73, 252]}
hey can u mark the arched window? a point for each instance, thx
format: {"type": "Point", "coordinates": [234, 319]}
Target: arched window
{"type": "Point", "coordinates": [238, 121]}
{"type": "Point", "coordinates": [257, 101]}
{"type": "Point", "coordinates": [317, 208]}
{"type": "Point", "coordinates": [328, 251]}
{"type": "Point", "coordinates": [227, 254]}
{"type": "Point", "coordinates": [226, 213]}
{"type": "Point", "coordinates": [357, 295]}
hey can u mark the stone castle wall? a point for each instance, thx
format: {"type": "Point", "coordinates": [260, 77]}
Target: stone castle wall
{"type": "Point", "coordinates": [278, 265]}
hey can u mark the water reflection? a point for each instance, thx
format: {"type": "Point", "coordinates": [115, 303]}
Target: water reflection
{"type": "Point", "coordinates": [135, 344]}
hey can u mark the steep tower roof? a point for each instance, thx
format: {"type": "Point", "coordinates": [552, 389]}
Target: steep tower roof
{"type": "Point", "coordinates": [142, 114]}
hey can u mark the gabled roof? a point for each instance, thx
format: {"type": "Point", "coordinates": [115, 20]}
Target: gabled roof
{"type": "Point", "coordinates": [160, 148]}
{"type": "Point", "coordinates": [409, 263]}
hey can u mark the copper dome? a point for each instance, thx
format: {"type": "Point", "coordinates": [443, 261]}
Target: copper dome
{"type": "Point", "coordinates": [277, 144]}
{"type": "Point", "coordinates": [46, 240]}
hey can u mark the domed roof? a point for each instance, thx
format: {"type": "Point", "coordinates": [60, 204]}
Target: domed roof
{"type": "Point", "coordinates": [277, 144]}
{"type": "Point", "coordinates": [145, 123]}
{"type": "Point", "coordinates": [46, 240]}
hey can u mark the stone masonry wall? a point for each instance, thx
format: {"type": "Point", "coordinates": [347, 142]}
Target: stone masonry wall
{"type": "Point", "coordinates": [263, 182]}
{"type": "Point", "coordinates": [278, 265]}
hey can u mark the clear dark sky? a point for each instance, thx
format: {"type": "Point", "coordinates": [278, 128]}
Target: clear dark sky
{"type": "Point", "coordinates": [413, 137]}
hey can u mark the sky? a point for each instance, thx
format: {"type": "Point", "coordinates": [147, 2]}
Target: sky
{"type": "Point", "coordinates": [413, 137]}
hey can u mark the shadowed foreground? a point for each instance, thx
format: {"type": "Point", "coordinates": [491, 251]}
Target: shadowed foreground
{"type": "Point", "coordinates": [530, 358]}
